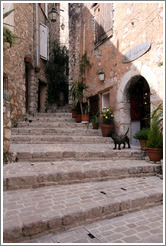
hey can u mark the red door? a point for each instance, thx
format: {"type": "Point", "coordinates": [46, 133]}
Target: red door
{"type": "Point", "coordinates": [136, 106]}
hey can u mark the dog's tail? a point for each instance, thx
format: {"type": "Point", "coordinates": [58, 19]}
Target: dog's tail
{"type": "Point", "coordinates": [127, 131]}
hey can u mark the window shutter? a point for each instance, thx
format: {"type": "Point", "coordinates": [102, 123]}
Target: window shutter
{"type": "Point", "coordinates": [43, 41]}
{"type": "Point", "coordinates": [103, 21]}
{"type": "Point", "coordinates": [108, 14]}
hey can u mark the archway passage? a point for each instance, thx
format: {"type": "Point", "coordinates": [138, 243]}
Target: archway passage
{"type": "Point", "coordinates": [139, 93]}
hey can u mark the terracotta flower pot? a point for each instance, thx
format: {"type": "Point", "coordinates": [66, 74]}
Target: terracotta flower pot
{"type": "Point", "coordinates": [143, 144]}
{"type": "Point", "coordinates": [155, 154]}
{"type": "Point", "coordinates": [78, 118]}
{"type": "Point", "coordinates": [74, 114]}
{"type": "Point", "coordinates": [27, 59]}
{"type": "Point", "coordinates": [37, 69]}
{"type": "Point", "coordinates": [95, 126]}
{"type": "Point", "coordinates": [85, 117]}
{"type": "Point", "coordinates": [106, 129]}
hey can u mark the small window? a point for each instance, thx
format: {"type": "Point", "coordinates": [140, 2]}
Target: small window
{"type": "Point", "coordinates": [103, 16]}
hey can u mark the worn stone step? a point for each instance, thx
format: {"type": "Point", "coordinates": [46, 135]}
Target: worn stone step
{"type": "Point", "coordinates": [48, 124]}
{"type": "Point", "coordinates": [46, 119]}
{"type": "Point", "coordinates": [34, 139]}
{"type": "Point", "coordinates": [56, 114]}
{"type": "Point", "coordinates": [51, 152]}
{"type": "Point", "coordinates": [30, 212]}
{"type": "Point", "coordinates": [132, 228]}
{"type": "Point", "coordinates": [55, 131]}
{"type": "Point", "coordinates": [23, 175]}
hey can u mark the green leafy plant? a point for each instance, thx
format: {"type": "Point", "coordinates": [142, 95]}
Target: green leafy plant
{"type": "Point", "coordinates": [142, 134]}
{"type": "Point", "coordinates": [74, 104]}
{"type": "Point", "coordinates": [155, 136]}
{"type": "Point", "coordinates": [84, 65]}
{"type": "Point", "coordinates": [100, 72]}
{"type": "Point", "coordinates": [107, 116]}
{"type": "Point", "coordinates": [95, 119]}
{"type": "Point", "coordinates": [9, 36]}
{"type": "Point", "coordinates": [56, 74]}
{"type": "Point", "coordinates": [77, 92]}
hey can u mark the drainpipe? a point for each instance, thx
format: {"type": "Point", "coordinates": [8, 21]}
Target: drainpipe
{"type": "Point", "coordinates": [37, 36]}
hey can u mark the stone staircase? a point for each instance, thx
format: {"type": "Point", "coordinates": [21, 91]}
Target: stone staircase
{"type": "Point", "coordinates": [68, 175]}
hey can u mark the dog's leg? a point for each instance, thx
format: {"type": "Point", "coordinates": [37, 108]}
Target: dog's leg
{"type": "Point", "coordinates": [115, 146]}
{"type": "Point", "coordinates": [119, 147]}
{"type": "Point", "coordinates": [124, 144]}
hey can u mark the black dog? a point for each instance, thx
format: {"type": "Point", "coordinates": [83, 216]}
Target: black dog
{"type": "Point", "coordinates": [122, 139]}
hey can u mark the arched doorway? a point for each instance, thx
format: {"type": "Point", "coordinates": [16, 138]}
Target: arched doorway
{"type": "Point", "coordinates": [139, 97]}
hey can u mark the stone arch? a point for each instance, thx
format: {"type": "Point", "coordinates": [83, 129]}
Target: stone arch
{"type": "Point", "coordinates": [122, 113]}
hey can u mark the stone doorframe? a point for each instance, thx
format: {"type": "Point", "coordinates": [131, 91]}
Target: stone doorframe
{"type": "Point", "coordinates": [122, 113]}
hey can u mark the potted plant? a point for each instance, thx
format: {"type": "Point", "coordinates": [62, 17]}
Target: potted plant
{"type": "Point", "coordinates": [27, 58]}
{"type": "Point", "coordinates": [94, 119]}
{"type": "Point", "coordinates": [74, 112]}
{"type": "Point", "coordinates": [101, 75]}
{"type": "Point", "coordinates": [77, 91]}
{"type": "Point", "coordinates": [37, 69]}
{"type": "Point", "coordinates": [155, 136]}
{"type": "Point", "coordinates": [85, 115]}
{"type": "Point", "coordinates": [107, 121]}
{"type": "Point", "coordinates": [142, 136]}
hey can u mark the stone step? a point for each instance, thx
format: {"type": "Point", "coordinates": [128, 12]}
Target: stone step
{"type": "Point", "coordinates": [25, 175]}
{"type": "Point", "coordinates": [55, 131]}
{"type": "Point", "coordinates": [51, 152]}
{"type": "Point", "coordinates": [54, 115]}
{"type": "Point", "coordinates": [43, 139]}
{"type": "Point", "coordinates": [30, 212]}
{"type": "Point", "coordinates": [122, 230]}
{"type": "Point", "coordinates": [46, 118]}
{"type": "Point", "coordinates": [46, 124]}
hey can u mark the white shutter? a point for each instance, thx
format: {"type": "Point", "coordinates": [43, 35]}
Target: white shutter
{"type": "Point", "coordinates": [43, 41]}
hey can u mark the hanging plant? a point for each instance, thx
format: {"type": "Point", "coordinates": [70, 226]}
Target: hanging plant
{"type": "Point", "coordinates": [8, 36]}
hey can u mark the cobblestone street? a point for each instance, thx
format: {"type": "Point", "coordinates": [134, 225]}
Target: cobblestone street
{"type": "Point", "coordinates": [140, 227]}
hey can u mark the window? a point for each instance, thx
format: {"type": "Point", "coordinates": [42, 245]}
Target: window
{"type": "Point", "coordinates": [103, 16]}
{"type": "Point", "coordinates": [44, 44]}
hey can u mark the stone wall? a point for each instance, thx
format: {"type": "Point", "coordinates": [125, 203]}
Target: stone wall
{"type": "Point", "coordinates": [133, 24]}
{"type": "Point", "coordinates": [6, 126]}
{"type": "Point", "coordinates": [13, 58]}
{"type": "Point", "coordinates": [21, 73]}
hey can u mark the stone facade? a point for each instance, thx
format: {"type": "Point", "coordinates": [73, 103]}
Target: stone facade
{"type": "Point", "coordinates": [27, 88]}
{"type": "Point", "coordinates": [137, 24]}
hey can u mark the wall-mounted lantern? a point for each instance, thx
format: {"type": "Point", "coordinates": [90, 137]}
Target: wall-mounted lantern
{"type": "Point", "coordinates": [53, 14]}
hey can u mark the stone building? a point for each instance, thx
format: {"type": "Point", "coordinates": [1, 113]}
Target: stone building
{"type": "Point", "coordinates": [24, 62]}
{"type": "Point", "coordinates": [125, 40]}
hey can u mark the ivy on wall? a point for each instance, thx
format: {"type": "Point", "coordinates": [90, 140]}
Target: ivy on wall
{"type": "Point", "coordinates": [56, 74]}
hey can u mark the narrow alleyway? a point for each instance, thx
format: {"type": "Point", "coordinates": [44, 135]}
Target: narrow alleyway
{"type": "Point", "coordinates": [68, 176]}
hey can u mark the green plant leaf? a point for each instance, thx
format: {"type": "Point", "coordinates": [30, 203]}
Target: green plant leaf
{"type": "Point", "coordinates": [7, 13]}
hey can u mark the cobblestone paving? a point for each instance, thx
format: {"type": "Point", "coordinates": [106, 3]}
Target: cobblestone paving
{"type": "Point", "coordinates": [32, 210]}
{"type": "Point", "coordinates": [144, 226]}
{"type": "Point", "coordinates": [36, 174]}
